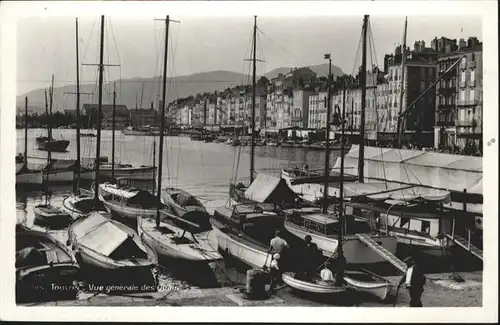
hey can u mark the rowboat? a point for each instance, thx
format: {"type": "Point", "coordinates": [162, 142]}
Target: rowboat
{"type": "Point", "coordinates": [371, 283]}
{"type": "Point", "coordinates": [44, 266]}
{"type": "Point", "coordinates": [178, 239]}
{"type": "Point", "coordinates": [181, 201]}
{"type": "Point", "coordinates": [82, 205]}
{"type": "Point", "coordinates": [51, 216]}
{"type": "Point", "coordinates": [126, 171]}
{"type": "Point", "coordinates": [315, 285]}
{"type": "Point", "coordinates": [110, 245]}
{"type": "Point", "coordinates": [127, 201]}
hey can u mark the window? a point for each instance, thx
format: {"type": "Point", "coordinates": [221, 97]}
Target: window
{"type": "Point", "coordinates": [405, 221]}
{"type": "Point", "coordinates": [426, 226]}
{"type": "Point", "coordinates": [472, 76]}
{"type": "Point", "coordinates": [471, 95]}
{"type": "Point", "coordinates": [462, 76]}
{"type": "Point", "coordinates": [462, 95]}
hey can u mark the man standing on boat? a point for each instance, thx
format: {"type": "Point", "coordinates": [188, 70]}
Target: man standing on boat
{"type": "Point", "coordinates": [414, 280]}
{"type": "Point", "coordinates": [311, 253]}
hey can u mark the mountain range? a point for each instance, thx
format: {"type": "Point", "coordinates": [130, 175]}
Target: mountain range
{"type": "Point", "coordinates": [140, 92]}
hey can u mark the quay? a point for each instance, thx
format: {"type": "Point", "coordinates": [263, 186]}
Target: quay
{"type": "Point", "coordinates": [438, 292]}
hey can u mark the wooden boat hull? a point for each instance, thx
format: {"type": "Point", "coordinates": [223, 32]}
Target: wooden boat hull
{"type": "Point", "coordinates": [29, 178]}
{"type": "Point", "coordinates": [167, 247]}
{"type": "Point", "coordinates": [86, 174]}
{"type": "Point", "coordinates": [51, 216]}
{"type": "Point", "coordinates": [176, 207]}
{"type": "Point", "coordinates": [355, 251]}
{"type": "Point", "coordinates": [98, 260]}
{"type": "Point", "coordinates": [53, 145]}
{"type": "Point", "coordinates": [58, 176]}
{"type": "Point", "coordinates": [50, 280]}
{"type": "Point", "coordinates": [247, 253]}
{"type": "Point", "coordinates": [312, 287]}
{"type": "Point", "coordinates": [70, 205]}
{"type": "Point", "coordinates": [378, 287]}
{"type": "Point", "coordinates": [146, 172]}
{"type": "Point", "coordinates": [126, 211]}
{"type": "Point", "coordinates": [133, 132]}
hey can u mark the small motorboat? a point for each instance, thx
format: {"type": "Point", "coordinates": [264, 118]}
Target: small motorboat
{"type": "Point", "coordinates": [45, 268]}
{"type": "Point", "coordinates": [314, 285]}
{"type": "Point", "coordinates": [107, 244]}
{"type": "Point", "coordinates": [51, 216]}
{"type": "Point", "coordinates": [178, 239]}
{"type": "Point", "coordinates": [366, 281]}
{"type": "Point", "coordinates": [127, 201]}
{"type": "Point", "coordinates": [181, 201]}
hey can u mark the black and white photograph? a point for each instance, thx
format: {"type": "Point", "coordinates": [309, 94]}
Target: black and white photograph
{"type": "Point", "coordinates": [320, 155]}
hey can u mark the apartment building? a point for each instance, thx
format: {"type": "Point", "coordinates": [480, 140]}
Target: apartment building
{"type": "Point", "coordinates": [459, 97]}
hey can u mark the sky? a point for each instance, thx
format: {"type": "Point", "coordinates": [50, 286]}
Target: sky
{"type": "Point", "coordinates": [46, 46]}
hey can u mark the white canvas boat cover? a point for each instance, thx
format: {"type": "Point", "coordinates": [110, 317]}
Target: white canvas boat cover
{"type": "Point", "coordinates": [431, 169]}
{"type": "Point", "coordinates": [124, 192]}
{"type": "Point", "coordinates": [395, 191]}
{"type": "Point", "coordinates": [264, 186]}
{"type": "Point", "coordinates": [100, 234]}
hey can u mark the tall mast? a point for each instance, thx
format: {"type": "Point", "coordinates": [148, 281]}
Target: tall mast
{"type": "Point", "coordinates": [252, 151]}
{"type": "Point", "coordinates": [340, 250]}
{"type": "Point", "coordinates": [51, 98]}
{"type": "Point", "coordinates": [400, 126]}
{"type": "Point", "coordinates": [327, 137]}
{"type": "Point", "coordinates": [162, 119]}
{"type": "Point", "coordinates": [26, 130]}
{"type": "Point", "coordinates": [361, 154]}
{"type": "Point", "coordinates": [113, 135]}
{"type": "Point", "coordinates": [99, 108]}
{"type": "Point", "coordinates": [75, 184]}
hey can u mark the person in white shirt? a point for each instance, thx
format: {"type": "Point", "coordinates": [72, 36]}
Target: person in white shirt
{"type": "Point", "coordinates": [274, 271]}
{"type": "Point", "coordinates": [414, 280]}
{"type": "Point", "coordinates": [326, 274]}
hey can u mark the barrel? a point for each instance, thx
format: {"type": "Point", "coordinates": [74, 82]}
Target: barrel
{"type": "Point", "coordinates": [256, 283]}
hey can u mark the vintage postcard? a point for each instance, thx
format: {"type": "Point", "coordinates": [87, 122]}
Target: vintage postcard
{"type": "Point", "coordinates": [309, 157]}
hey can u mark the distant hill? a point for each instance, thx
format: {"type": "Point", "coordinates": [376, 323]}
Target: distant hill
{"type": "Point", "coordinates": [321, 70]}
{"type": "Point", "coordinates": [129, 90]}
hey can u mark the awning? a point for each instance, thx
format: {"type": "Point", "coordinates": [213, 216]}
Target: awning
{"type": "Point", "coordinates": [419, 168]}
{"type": "Point", "coordinates": [393, 191]}
{"type": "Point", "coordinates": [266, 188]}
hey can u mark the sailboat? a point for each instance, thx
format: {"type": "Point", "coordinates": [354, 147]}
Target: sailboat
{"type": "Point", "coordinates": [48, 143]}
{"type": "Point", "coordinates": [101, 242]}
{"type": "Point", "coordinates": [24, 174]}
{"type": "Point", "coordinates": [324, 227]}
{"type": "Point", "coordinates": [245, 230]}
{"type": "Point", "coordinates": [360, 279]}
{"type": "Point", "coordinates": [82, 205]}
{"type": "Point", "coordinates": [182, 238]}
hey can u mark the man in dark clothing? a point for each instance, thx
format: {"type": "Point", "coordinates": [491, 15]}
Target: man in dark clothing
{"type": "Point", "coordinates": [414, 280]}
{"type": "Point", "coordinates": [311, 253]}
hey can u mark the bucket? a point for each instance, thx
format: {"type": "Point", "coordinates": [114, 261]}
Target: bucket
{"type": "Point", "coordinates": [256, 284]}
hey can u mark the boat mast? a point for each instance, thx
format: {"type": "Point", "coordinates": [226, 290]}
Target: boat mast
{"type": "Point", "coordinates": [252, 151]}
{"type": "Point", "coordinates": [75, 184]}
{"type": "Point", "coordinates": [341, 190]}
{"type": "Point", "coordinates": [26, 131]}
{"type": "Point", "coordinates": [113, 135]}
{"type": "Point", "coordinates": [162, 119]}
{"type": "Point", "coordinates": [327, 137]}
{"type": "Point", "coordinates": [400, 126]}
{"type": "Point", "coordinates": [361, 154]}
{"type": "Point", "coordinates": [99, 108]}
{"type": "Point", "coordinates": [49, 153]}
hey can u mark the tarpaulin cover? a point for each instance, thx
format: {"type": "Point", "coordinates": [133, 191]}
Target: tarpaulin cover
{"type": "Point", "coordinates": [437, 170]}
{"type": "Point", "coordinates": [394, 191]}
{"type": "Point", "coordinates": [266, 186]}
